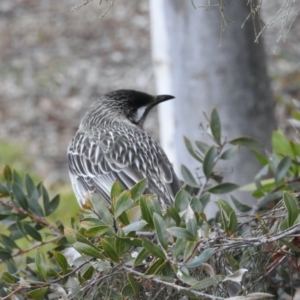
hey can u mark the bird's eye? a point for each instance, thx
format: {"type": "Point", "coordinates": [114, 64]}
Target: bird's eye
{"type": "Point", "coordinates": [134, 110]}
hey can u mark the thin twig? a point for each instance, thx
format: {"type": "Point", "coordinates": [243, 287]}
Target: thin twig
{"type": "Point", "coordinates": [30, 215]}
{"type": "Point", "coordinates": [174, 286]}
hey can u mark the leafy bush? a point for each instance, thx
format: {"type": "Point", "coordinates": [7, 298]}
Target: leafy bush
{"type": "Point", "coordinates": [136, 250]}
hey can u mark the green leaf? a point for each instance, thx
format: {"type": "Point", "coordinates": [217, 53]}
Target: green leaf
{"type": "Point", "coordinates": [38, 294]}
{"type": "Point", "coordinates": [88, 274]}
{"type": "Point", "coordinates": [189, 249]}
{"type": "Point", "coordinates": [41, 264]}
{"type": "Point", "coordinates": [31, 189]}
{"type": "Point", "coordinates": [172, 213]}
{"type": "Point", "coordinates": [74, 236]}
{"type": "Point", "coordinates": [239, 205]}
{"type": "Point", "coordinates": [229, 219]}
{"type": "Point", "coordinates": [209, 161]}
{"type": "Point", "coordinates": [188, 176]}
{"type": "Point", "coordinates": [143, 254]}
{"type": "Point", "coordinates": [280, 144]}
{"type": "Point", "coordinates": [245, 141]}
{"type": "Point", "coordinates": [153, 249]}
{"type": "Point", "coordinates": [138, 189]}
{"type": "Point", "coordinates": [145, 211]}
{"type": "Point", "coordinates": [7, 173]}
{"type": "Point", "coordinates": [133, 214]}
{"type": "Point", "coordinates": [4, 254]}
{"type": "Point", "coordinates": [229, 153]}
{"type": "Point", "coordinates": [261, 159]}
{"type": "Point", "coordinates": [116, 190]}
{"type": "Point", "coordinates": [203, 147]}
{"type": "Point", "coordinates": [181, 233]}
{"type": "Point", "coordinates": [88, 250]}
{"type": "Point", "coordinates": [17, 179]}
{"type": "Point", "coordinates": [46, 200]}
{"type": "Point", "coordinates": [196, 204]}
{"type": "Point", "coordinates": [204, 283]}
{"type": "Point", "coordinates": [54, 203]}
{"type": "Point", "coordinates": [292, 208]}
{"type": "Point", "coordinates": [131, 240]}
{"type": "Point", "coordinates": [202, 258]}
{"type": "Point", "coordinates": [8, 243]}
{"type": "Point", "coordinates": [110, 251]}
{"type": "Point", "coordinates": [62, 261]}
{"type": "Point", "coordinates": [161, 230]}
{"type": "Point", "coordinates": [127, 291]}
{"type": "Point", "coordinates": [179, 247]}
{"type": "Point", "coordinates": [4, 191]}
{"type": "Point", "coordinates": [156, 267]}
{"type": "Point", "coordinates": [120, 244]}
{"type": "Point", "coordinates": [269, 198]}
{"type": "Point", "coordinates": [191, 222]}
{"type": "Point", "coordinates": [123, 203]}
{"type": "Point", "coordinates": [223, 188]}
{"type": "Point", "coordinates": [19, 196]}
{"type": "Point", "coordinates": [134, 284]}
{"type": "Point", "coordinates": [215, 126]}
{"type": "Point", "coordinates": [182, 200]}
{"type": "Point", "coordinates": [185, 278]}
{"type": "Point", "coordinates": [8, 278]}
{"type": "Point", "coordinates": [204, 199]}
{"type": "Point", "coordinates": [32, 232]}
{"type": "Point", "coordinates": [96, 231]}
{"type": "Point", "coordinates": [100, 208]}
{"type": "Point", "coordinates": [282, 168]}
{"type": "Point", "coordinates": [134, 226]}
{"type": "Point", "coordinates": [191, 150]}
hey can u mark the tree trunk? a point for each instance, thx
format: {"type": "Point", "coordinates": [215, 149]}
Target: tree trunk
{"type": "Point", "coordinates": [203, 67]}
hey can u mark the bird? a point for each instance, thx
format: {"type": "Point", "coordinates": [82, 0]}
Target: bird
{"type": "Point", "coordinates": [111, 144]}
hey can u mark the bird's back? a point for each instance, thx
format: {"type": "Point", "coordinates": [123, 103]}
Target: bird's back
{"type": "Point", "coordinates": [99, 155]}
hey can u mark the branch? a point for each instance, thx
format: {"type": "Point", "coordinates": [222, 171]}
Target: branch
{"type": "Point", "coordinates": [30, 215]}
{"type": "Point", "coordinates": [257, 241]}
{"type": "Point", "coordinates": [174, 286]}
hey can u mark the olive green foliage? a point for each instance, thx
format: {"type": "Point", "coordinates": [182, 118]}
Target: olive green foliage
{"type": "Point", "coordinates": [136, 249]}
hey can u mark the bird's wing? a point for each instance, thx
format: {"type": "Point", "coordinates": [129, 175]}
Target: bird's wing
{"type": "Point", "coordinates": [97, 160]}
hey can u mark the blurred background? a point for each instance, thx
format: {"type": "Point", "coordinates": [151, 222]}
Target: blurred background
{"type": "Point", "coordinates": [54, 63]}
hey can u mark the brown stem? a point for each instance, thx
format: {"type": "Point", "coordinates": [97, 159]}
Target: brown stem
{"type": "Point", "coordinates": [30, 215]}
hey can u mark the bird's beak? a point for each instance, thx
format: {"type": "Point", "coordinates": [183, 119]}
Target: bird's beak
{"type": "Point", "coordinates": [157, 100]}
{"type": "Point", "coordinates": [162, 98]}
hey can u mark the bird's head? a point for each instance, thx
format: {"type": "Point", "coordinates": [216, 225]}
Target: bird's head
{"type": "Point", "coordinates": [128, 105]}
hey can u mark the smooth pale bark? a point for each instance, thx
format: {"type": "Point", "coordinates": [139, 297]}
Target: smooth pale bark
{"type": "Point", "coordinates": [190, 64]}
